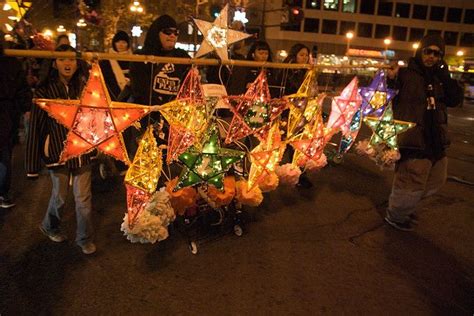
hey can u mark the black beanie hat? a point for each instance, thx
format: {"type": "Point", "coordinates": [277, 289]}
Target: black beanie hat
{"type": "Point", "coordinates": [120, 36]}
{"type": "Point", "coordinates": [152, 43]}
{"type": "Point", "coordinates": [433, 39]}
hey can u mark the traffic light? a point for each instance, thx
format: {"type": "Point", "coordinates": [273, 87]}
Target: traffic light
{"type": "Point", "coordinates": [295, 15]}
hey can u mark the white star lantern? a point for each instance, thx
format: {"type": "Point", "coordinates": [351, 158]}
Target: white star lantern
{"type": "Point", "coordinates": [218, 36]}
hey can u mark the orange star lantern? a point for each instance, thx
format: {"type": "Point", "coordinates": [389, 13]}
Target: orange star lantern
{"type": "Point", "coordinates": [265, 157]}
{"type": "Point", "coordinates": [310, 143]}
{"type": "Point", "coordinates": [94, 121]}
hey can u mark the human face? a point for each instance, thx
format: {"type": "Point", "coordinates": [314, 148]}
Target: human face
{"type": "Point", "coordinates": [168, 38]}
{"type": "Point", "coordinates": [121, 46]}
{"type": "Point", "coordinates": [431, 55]}
{"type": "Point", "coordinates": [302, 56]}
{"type": "Point", "coordinates": [260, 55]}
{"type": "Point", "coordinates": [66, 68]}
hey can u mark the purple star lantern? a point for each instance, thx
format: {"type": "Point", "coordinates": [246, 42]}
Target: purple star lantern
{"type": "Point", "coordinates": [376, 96]}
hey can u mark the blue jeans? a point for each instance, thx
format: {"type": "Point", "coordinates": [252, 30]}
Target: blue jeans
{"type": "Point", "coordinates": [81, 188]}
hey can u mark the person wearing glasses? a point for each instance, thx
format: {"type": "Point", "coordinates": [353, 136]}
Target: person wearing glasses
{"type": "Point", "coordinates": [164, 79]}
{"type": "Point", "coordinates": [425, 91]}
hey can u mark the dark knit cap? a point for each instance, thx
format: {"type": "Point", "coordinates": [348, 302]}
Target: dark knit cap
{"type": "Point", "coordinates": [152, 43]}
{"type": "Point", "coordinates": [120, 36]}
{"type": "Point", "coordinates": [433, 39]}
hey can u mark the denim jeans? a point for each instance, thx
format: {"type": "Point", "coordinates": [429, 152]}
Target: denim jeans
{"type": "Point", "coordinates": [414, 180]}
{"type": "Point", "coordinates": [5, 170]}
{"type": "Point", "coordinates": [81, 188]}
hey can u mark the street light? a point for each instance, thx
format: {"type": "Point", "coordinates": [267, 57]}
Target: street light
{"type": "Point", "coordinates": [349, 37]}
{"type": "Point", "coordinates": [135, 8]}
{"type": "Point", "coordinates": [460, 53]}
{"type": "Point", "coordinates": [387, 42]}
{"type": "Point", "coordinates": [415, 46]}
{"type": "Point", "coordinates": [61, 29]}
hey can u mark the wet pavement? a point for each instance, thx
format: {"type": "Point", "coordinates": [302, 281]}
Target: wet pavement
{"type": "Point", "coordinates": [324, 250]}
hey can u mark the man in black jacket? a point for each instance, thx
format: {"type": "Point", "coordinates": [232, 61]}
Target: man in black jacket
{"type": "Point", "coordinates": [425, 91]}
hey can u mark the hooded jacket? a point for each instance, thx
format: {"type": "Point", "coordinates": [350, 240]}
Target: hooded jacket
{"type": "Point", "coordinates": [429, 138]}
{"type": "Point", "coordinates": [163, 79]}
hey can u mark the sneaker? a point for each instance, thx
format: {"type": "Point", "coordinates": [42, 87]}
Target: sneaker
{"type": "Point", "coordinates": [88, 248]}
{"type": "Point", "coordinates": [6, 202]}
{"type": "Point", "coordinates": [405, 226]}
{"type": "Point", "coordinates": [414, 218]}
{"type": "Point", "coordinates": [304, 182]}
{"type": "Point", "coordinates": [54, 237]}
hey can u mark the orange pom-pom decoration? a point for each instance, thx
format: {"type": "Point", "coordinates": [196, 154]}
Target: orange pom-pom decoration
{"type": "Point", "coordinates": [221, 198]}
{"type": "Point", "coordinates": [269, 183]}
{"type": "Point", "coordinates": [181, 199]}
{"type": "Point", "coordinates": [251, 198]}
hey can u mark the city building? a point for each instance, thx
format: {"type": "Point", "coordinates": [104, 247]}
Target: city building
{"type": "Point", "coordinates": [375, 25]}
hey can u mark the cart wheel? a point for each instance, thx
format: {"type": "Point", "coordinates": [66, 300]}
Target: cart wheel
{"type": "Point", "coordinates": [193, 247]}
{"type": "Point", "coordinates": [238, 231]}
{"type": "Point", "coordinates": [337, 159]}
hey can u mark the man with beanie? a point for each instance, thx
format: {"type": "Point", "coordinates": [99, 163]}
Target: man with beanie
{"type": "Point", "coordinates": [425, 91]}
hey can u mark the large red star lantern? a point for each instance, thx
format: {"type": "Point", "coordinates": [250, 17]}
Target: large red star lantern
{"type": "Point", "coordinates": [94, 121]}
{"type": "Point", "coordinates": [254, 112]}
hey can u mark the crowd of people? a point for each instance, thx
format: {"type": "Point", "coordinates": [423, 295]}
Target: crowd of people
{"type": "Point", "coordinates": [425, 91]}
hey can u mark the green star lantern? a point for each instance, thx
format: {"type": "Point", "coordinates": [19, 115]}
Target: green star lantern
{"type": "Point", "coordinates": [207, 163]}
{"type": "Point", "coordinates": [386, 129]}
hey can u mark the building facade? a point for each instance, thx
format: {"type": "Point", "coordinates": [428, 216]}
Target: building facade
{"type": "Point", "coordinates": [325, 23]}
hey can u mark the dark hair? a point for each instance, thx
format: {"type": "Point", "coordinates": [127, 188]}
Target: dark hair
{"type": "Point", "coordinates": [58, 39]}
{"type": "Point", "coordinates": [120, 36]}
{"type": "Point", "coordinates": [78, 78]}
{"type": "Point", "coordinates": [260, 45]}
{"type": "Point", "coordinates": [294, 50]}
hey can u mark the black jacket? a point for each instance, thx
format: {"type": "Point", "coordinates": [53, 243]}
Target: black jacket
{"type": "Point", "coordinates": [241, 76]}
{"type": "Point", "coordinates": [15, 97]}
{"type": "Point", "coordinates": [164, 82]}
{"type": "Point", "coordinates": [411, 105]}
{"type": "Point", "coordinates": [46, 137]}
{"type": "Point", "coordinates": [110, 79]}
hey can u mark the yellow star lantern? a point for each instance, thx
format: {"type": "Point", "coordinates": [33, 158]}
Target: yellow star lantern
{"type": "Point", "coordinates": [218, 36]}
{"type": "Point", "coordinates": [94, 121]}
{"type": "Point", "coordinates": [310, 143]}
{"type": "Point", "coordinates": [188, 116]}
{"type": "Point", "coordinates": [303, 104]}
{"type": "Point", "coordinates": [145, 170]}
{"type": "Point", "coordinates": [386, 129]}
{"type": "Point", "coordinates": [265, 157]}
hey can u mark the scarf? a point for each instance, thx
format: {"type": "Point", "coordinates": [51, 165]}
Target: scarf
{"type": "Point", "coordinates": [117, 70]}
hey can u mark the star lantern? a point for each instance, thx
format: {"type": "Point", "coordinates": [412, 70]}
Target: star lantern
{"type": "Point", "coordinates": [344, 107]}
{"type": "Point", "coordinates": [385, 128]}
{"type": "Point", "coordinates": [207, 163]}
{"type": "Point", "coordinates": [146, 168]}
{"type": "Point", "coordinates": [376, 96]}
{"type": "Point", "coordinates": [303, 104]}
{"type": "Point", "coordinates": [310, 143]}
{"type": "Point", "coordinates": [188, 115]}
{"type": "Point", "coordinates": [136, 200]}
{"type": "Point", "coordinates": [94, 121]}
{"type": "Point", "coordinates": [347, 139]}
{"type": "Point", "coordinates": [265, 157]}
{"type": "Point", "coordinates": [218, 36]}
{"type": "Point", "coordinates": [254, 111]}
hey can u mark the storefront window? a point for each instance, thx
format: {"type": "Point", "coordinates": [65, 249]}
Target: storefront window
{"type": "Point", "coordinates": [332, 5]}
{"type": "Point", "coordinates": [313, 4]}
{"type": "Point", "coordinates": [349, 6]}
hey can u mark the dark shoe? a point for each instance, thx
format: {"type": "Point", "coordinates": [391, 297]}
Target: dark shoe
{"type": "Point", "coordinates": [405, 226]}
{"type": "Point", "coordinates": [88, 248]}
{"type": "Point", "coordinates": [304, 182]}
{"type": "Point", "coordinates": [6, 202]}
{"type": "Point", "coordinates": [54, 237]}
{"type": "Point", "coordinates": [414, 218]}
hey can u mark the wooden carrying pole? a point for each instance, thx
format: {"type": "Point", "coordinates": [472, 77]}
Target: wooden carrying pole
{"type": "Point", "coordinates": [174, 60]}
